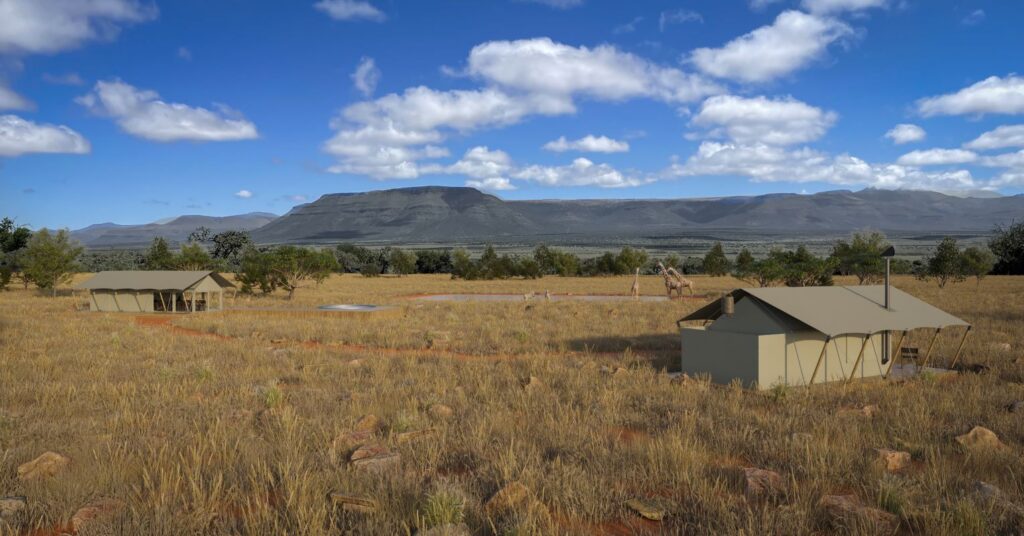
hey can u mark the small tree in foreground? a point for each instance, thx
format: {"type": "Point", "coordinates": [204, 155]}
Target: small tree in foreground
{"type": "Point", "coordinates": [159, 256]}
{"type": "Point", "coordinates": [745, 265]}
{"type": "Point", "coordinates": [861, 256]}
{"type": "Point", "coordinates": [944, 265]}
{"type": "Point", "coordinates": [1008, 247]}
{"type": "Point", "coordinates": [49, 259]}
{"type": "Point", "coordinates": [402, 262]}
{"type": "Point", "coordinates": [716, 264]}
{"type": "Point", "coordinates": [290, 266]}
{"type": "Point", "coordinates": [977, 262]}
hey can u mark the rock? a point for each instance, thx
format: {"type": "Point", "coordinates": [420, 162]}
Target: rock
{"type": "Point", "coordinates": [685, 380]}
{"type": "Point", "coordinates": [440, 411]}
{"type": "Point", "coordinates": [354, 362]}
{"type": "Point", "coordinates": [848, 510]}
{"type": "Point", "coordinates": [762, 483]}
{"type": "Point", "coordinates": [352, 503]}
{"type": "Point", "coordinates": [532, 383]}
{"type": "Point", "coordinates": [378, 463]}
{"type": "Point", "coordinates": [980, 438]}
{"type": "Point", "coordinates": [995, 496]}
{"type": "Point", "coordinates": [448, 529]}
{"type": "Point", "coordinates": [278, 341]}
{"type": "Point", "coordinates": [10, 506]}
{"type": "Point", "coordinates": [511, 497]}
{"type": "Point", "coordinates": [1016, 406]}
{"type": "Point", "coordinates": [891, 460]}
{"type": "Point", "coordinates": [48, 464]}
{"type": "Point", "coordinates": [620, 371]}
{"type": "Point", "coordinates": [369, 423]}
{"type": "Point", "coordinates": [346, 441]}
{"type": "Point", "coordinates": [405, 437]}
{"type": "Point", "coordinates": [867, 411]}
{"type": "Point", "coordinates": [368, 451]}
{"type": "Point", "coordinates": [645, 509]}
{"type": "Point", "coordinates": [101, 508]}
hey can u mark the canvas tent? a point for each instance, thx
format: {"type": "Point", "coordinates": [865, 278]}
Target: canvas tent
{"type": "Point", "coordinates": [152, 291]}
{"type": "Point", "coordinates": [804, 335]}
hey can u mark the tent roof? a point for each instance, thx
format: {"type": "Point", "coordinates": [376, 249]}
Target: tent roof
{"type": "Point", "coordinates": [150, 280]}
{"type": "Point", "coordinates": [840, 310]}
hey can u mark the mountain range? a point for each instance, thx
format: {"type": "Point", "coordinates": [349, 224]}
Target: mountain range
{"type": "Point", "coordinates": [450, 215]}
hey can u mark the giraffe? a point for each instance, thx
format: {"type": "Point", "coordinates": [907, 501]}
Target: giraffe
{"type": "Point", "coordinates": [682, 281]}
{"type": "Point", "coordinates": [674, 281]}
{"type": "Point", "coordinates": [635, 291]}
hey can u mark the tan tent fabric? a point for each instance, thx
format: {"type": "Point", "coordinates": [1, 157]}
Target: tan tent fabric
{"type": "Point", "coordinates": [839, 310]}
{"type": "Point", "coordinates": [149, 280]}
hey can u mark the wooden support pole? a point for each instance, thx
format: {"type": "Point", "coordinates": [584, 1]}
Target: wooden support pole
{"type": "Point", "coordinates": [174, 302]}
{"type": "Point", "coordinates": [928, 354]}
{"type": "Point", "coordinates": [821, 357]}
{"type": "Point", "coordinates": [895, 354]}
{"type": "Point", "coordinates": [860, 355]}
{"type": "Point", "coordinates": [163, 304]}
{"type": "Point", "coordinates": [193, 301]}
{"type": "Point", "coordinates": [960, 348]}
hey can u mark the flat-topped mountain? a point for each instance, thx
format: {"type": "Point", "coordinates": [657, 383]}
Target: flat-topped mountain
{"type": "Point", "coordinates": [436, 214]}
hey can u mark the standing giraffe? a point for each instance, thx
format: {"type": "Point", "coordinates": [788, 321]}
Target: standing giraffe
{"type": "Point", "coordinates": [684, 282]}
{"type": "Point", "coordinates": [635, 291]}
{"type": "Point", "coordinates": [674, 281]}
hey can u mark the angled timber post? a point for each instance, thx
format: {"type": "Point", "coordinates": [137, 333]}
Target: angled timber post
{"type": "Point", "coordinates": [931, 346]}
{"type": "Point", "coordinates": [960, 348]}
{"type": "Point", "coordinates": [821, 357]}
{"type": "Point", "coordinates": [895, 354]}
{"type": "Point", "coordinates": [860, 356]}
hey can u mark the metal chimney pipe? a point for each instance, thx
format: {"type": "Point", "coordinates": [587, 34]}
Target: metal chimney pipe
{"type": "Point", "coordinates": [887, 308]}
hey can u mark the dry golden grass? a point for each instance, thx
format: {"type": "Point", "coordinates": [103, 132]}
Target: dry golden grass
{"type": "Point", "coordinates": [233, 434]}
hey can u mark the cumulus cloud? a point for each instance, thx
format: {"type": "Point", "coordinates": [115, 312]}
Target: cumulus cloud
{"type": "Point", "coordinates": [366, 76]}
{"type": "Point", "coordinates": [588, 144]}
{"type": "Point", "coordinates": [581, 172]}
{"type": "Point", "coordinates": [791, 42]}
{"type": "Point", "coordinates": [350, 10]}
{"type": "Point", "coordinates": [542, 66]}
{"type": "Point", "coordinates": [492, 184]}
{"type": "Point", "coordinates": [143, 114]}
{"type": "Point", "coordinates": [905, 133]}
{"type": "Point", "coordinates": [993, 95]}
{"type": "Point", "coordinates": [19, 136]}
{"type": "Point", "coordinates": [766, 163]}
{"type": "Point", "coordinates": [937, 157]}
{"type": "Point", "coordinates": [243, 194]}
{"type": "Point", "coordinates": [780, 121]}
{"type": "Point", "coordinates": [483, 164]}
{"type": "Point", "coordinates": [999, 138]}
{"type": "Point", "coordinates": [677, 16]}
{"type": "Point", "coordinates": [838, 6]}
{"type": "Point", "coordinates": [9, 100]}
{"type": "Point", "coordinates": [48, 26]}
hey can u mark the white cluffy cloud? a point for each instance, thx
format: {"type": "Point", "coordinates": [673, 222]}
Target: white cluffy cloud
{"type": "Point", "coordinates": [19, 136]}
{"type": "Point", "coordinates": [9, 100]}
{"type": "Point", "coordinates": [999, 138]}
{"type": "Point", "coordinates": [243, 194]}
{"type": "Point", "coordinates": [389, 137]}
{"type": "Point", "coordinates": [588, 144]}
{"type": "Point", "coordinates": [780, 121]}
{"type": "Point", "coordinates": [905, 133]}
{"type": "Point", "coordinates": [993, 95]}
{"type": "Point", "coordinates": [48, 26]}
{"type": "Point", "coordinates": [350, 10]}
{"type": "Point", "coordinates": [937, 157]}
{"type": "Point", "coordinates": [492, 184]}
{"type": "Point", "coordinates": [581, 172]}
{"type": "Point", "coordinates": [837, 6]}
{"type": "Point", "coordinates": [143, 114]}
{"type": "Point", "coordinates": [790, 43]}
{"type": "Point", "coordinates": [366, 76]}
{"type": "Point", "coordinates": [677, 16]}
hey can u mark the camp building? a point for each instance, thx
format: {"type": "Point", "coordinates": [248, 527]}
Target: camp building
{"type": "Point", "coordinates": [803, 335]}
{"type": "Point", "coordinates": [156, 291]}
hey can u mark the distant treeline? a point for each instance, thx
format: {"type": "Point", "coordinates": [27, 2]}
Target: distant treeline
{"type": "Point", "coordinates": [46, 259]}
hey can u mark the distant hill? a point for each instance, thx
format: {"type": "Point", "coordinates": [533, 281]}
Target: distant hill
{"type": "Point", "coordinates": [175, 230]}
{"type": "Point", "coordinates": [447, 215]}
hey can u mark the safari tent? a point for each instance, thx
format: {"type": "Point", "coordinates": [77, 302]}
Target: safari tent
{"type": "Point", "coordinates": [805, 335]}
{"type": "Point", "coordinates": [156, 291]}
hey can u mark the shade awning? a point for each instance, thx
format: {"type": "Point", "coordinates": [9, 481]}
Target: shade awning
{"type": "Point", "coordinates": [841, 310]}
{"type": "Point", "coordinates": [150, 280]}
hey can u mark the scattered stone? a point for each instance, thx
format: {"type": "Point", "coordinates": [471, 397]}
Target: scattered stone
{"type": "Point", "coordinates": [448, 529]}
{"type": "Point", "coordinates": [101, 508]}
{"type": "Point", "coordinates": [354, 362]}
{"type": "Point", "coordinates": [10, 506]}
{"type": "Point", "coordinates": [995, 496]}
{"type": "Point", "coordinates": [1014, 407]}
{"type": "Point", "coordinates": [645, 509]}
{"type": "Point", "coordinates": [369, 423]}
{"type": "Point", "coordinates": [980, 438]}
{"type": "Point", "coordinates": [867, 411]}
{"type": "Point", "coordinates": [406, 437]}
{"type": "Point", "coordinates": [367, 451]}
{"type": "Point", "coordinates": [346, 441]}
{"type": "Point", "coordinates": [440, 411]}
{"type": "Point", "coordinates": [891, 460]}
{"type": "Point", "coordinates": [762, 483]}
{"type": "Point", "coordinates": [620, 371]}
{"type": "Point", "coordinates": [351, 503]}
{"type": "Point", "coordinates": [848, 509]}
{"type": "Point", "coordinates": [378, 463]}
{"type": "Point", "coordinates": [514, 495]}
{"type": "Point", "coordinates": [48, 464]}
{"type": "Point", "coordinates": [532, 383]}
{"type": "Point", "coordinates": [278, 341]}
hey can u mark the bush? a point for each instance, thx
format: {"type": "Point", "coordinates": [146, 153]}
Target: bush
{"type": "Point", "coordinates": [429, 261]}
{"type": "Point", "coordinates": [402, 262]}
{"type": "Point", "coordinates": [944, 265]}
{"type": "Point", "coordinates": [50, 259]}
{"type": "Point", "coordinates": [1008, 247]}
{"type": "Point", "coordinates": [716, 264]}
{"type": "Point", "coordinates": [861, 257]}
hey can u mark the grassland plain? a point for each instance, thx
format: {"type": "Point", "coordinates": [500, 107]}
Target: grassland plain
{"type": "Point", "coordinates": [235, 422]}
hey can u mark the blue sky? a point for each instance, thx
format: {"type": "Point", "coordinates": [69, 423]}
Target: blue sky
{"type": "Point", "coordinates": [133, 110]}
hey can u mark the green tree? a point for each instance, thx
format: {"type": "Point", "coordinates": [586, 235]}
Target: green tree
{"type": "Point", "coordinates": [945, 264]}
{"type": "Point", "coordinates": [770, 270]}
{"type": "Point", "coordinates": [229, 245]}
{"type": "Point", "coordinates": [50, 259]}
{"type": "Point", "coordinates": [977, 262]}
{"type": "Point", "coordinates": [716, 264]}
{"type": "Point", "coordinates": [804, 269]}
{"type": "Point", "coordinates": [432, 261]}
{"type": "Point", "coordinates": [402, 262]}
{"type": "Point", "coordinates": [159, 256]}
{"type": "Point", "coordinates": [745, 265]}
{"type": "Point", "coordinates": [193, 257]}
{"type": "Point", "coordinates": [861, 256]}
{"type": "Point", "coordinates": [255, 272]}
{"type": "Point", "coordinates": [201, 234]}
{"type": "Point", "coordinates": [13, 237]}
{"type": "Point", "coordinates": [463, 266]}
{"type": "Point", "coordinates": [1008, 246]}
{"type": "Point", "coordinates": [552, 261]}
{"type": "Point", "coordinates": [291, 266]}
{"type": "Point", "coordinates": [628, 260]}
